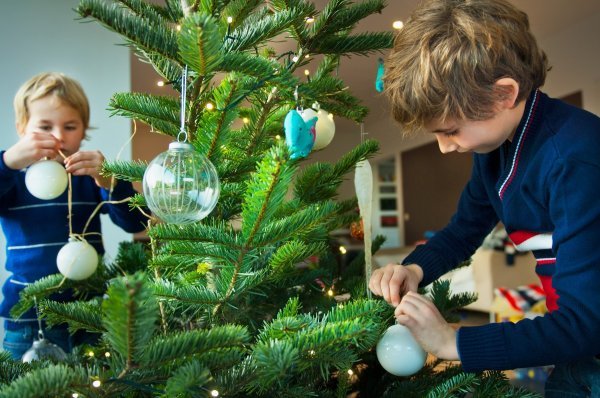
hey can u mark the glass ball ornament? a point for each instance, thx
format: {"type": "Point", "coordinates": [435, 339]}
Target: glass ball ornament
{"type": "Point", "coordinates": [43, 349]}
{"type": "Point", "coordinates": [180, 185]}
{"type": "Point", "coordinates": [399, 353]}
{"type": "Point", "coordinates": [77, 260]}
{"type": "Point", "coordinates": [46, 179]}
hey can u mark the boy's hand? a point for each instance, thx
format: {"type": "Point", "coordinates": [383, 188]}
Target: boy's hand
{"type": "Point", "coordinates": [394, 281]}
{"type": "Point", "coordinates": [87, 163]}
{"type": "Point", "coordinates": [427, 325]}
{"type": "Point", "coordinates": [30, 148]}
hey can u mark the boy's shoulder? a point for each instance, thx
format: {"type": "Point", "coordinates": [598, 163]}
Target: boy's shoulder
{"type": "Point", "coordinates": [575, 132]}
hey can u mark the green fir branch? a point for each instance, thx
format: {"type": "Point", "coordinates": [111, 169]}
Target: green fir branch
{"type": "Point", "coordinates": [360, 44]}
{"type": "Point", "coordinates": [200, 296]}
{"type": "Point", "coordinates": [289, 254]}
{"type": "Point", "coordinates": [131, 170]}
{"type": "Point", "coordinates": [78, 315]}
{"type": "Point", "coordinates": [346, 17]}
{"type": "Point", "coordinates": [157, 38]}
{"type": "Point", "coordinates": [199, 43]}
{"type": "Point", "coordinates": [189, 380]}
{"type": "Point", "coordinates": [150, 12]}
{"type": "Point", "coordinates": [162, 350]}
{"type": "Point", "coordinates": [239, 10]}
{"type": "Point", "coordinates": [159, 112]}
{"type": "Point", "coordinates": [130, 314]}
{"type": "Point", "coordinates": [51, 381]}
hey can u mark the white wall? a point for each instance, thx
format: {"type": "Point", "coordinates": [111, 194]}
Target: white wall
{"type": "Point", "coordinates": [42, 35]}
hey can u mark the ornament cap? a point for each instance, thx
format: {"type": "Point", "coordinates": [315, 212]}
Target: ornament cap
{"type": "Point", "coordinates": [181, 146]}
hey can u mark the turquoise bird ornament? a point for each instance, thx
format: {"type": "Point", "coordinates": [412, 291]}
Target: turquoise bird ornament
{"type": "Point", "coordinates": [299, 134]}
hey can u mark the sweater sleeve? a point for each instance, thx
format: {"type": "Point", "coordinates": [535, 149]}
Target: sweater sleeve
{"type": "Point", "coordinates": [7, 176]}
{"type": "Point", "coordinates": [570, 332]}
{"type": "Point", "coordinates": [474, 219]}
{"type": "Point", "coordinates": [121, 214]}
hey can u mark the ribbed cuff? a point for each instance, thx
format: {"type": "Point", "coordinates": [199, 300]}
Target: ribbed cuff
{"type": "Point", "coordinates": [4, 169]}
{"type": "Point", "coordinates": [482, 348]}
{"type": "Point", "coordinates": [429, 261]}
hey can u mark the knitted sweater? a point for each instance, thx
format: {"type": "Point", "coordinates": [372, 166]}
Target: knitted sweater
{"type": "Point", "coordinates": [545, 188]}
{"type": "Point", "coordinates": [37, 229]}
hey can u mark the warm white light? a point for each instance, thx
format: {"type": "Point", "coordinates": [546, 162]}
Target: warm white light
{"type": "Point", "coordinates": [277, 137]}
{"type": "Point", "coordinates": [214, 393]}
{"type": "Point", "coordinates": [295, 58]}
{"type": "Point", "coordinates": [178, 27]}
{"type": "Point", "coordinates": [96, 383]}
{"type": "Point", "coordinates": [107, 354]}
{"type": "Point", "coordinates": [343, 250]}
{"type": "Point", "coordinates": [330, 293]}
{"type": "Point", "coordinates": [306, 72]}
{"type": "Point", "coordinates": [229, 19]}
{"type": "Point", "coordinates": [91, 353]}
{"type": "Point", "coordinates": [350, 372]}
{"type": "Point", "coordinates": [398, 24]}
{"type": "Point", "coordinates": [160, 83]}
{"type": "Point", "coordinates": [210, 106]}
{"type": "Point", "coordinates": [307, 56]}
{"type": "Point", "coordinates": [246, 120]}
{"type": "Point", "coordinates": [310, 19]}
{"type": "Point", "coordinates": [312, 352]}
{"type": "Point", "coordinates": [75, 395]}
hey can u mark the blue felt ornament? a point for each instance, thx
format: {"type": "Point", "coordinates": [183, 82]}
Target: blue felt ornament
{"type": "Point", "coordinates": [379, 78]}
{"type": "Point", "coordinates": [299, 134]}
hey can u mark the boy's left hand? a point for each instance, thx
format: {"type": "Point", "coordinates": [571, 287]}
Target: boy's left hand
{"type": "Point", "coordinates": [87, 163]}
{"type": "Point", "coordinates": [427, 325]}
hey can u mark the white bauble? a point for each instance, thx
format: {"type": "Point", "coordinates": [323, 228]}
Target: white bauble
{"type": "Point", "coordinates": [46, 179]}
{"type": "Point", "coordinates": [399, 353]}
{"type": "Point", "coordinates": [324, 130]}
{"type": "Point", "coordinates": [77, 260]}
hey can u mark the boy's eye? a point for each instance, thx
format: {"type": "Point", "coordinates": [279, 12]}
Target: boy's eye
{"type": "Point", "coordinates": [45, 128]}
{"type": "Point", "coordinates": [451, 133]}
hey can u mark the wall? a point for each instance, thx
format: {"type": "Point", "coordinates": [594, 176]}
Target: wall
{"type": "Point", "coordinates": [42, 35]}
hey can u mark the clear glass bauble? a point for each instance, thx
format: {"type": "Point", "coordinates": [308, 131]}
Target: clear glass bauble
{"type": "Point", "coordinates": [43, 349]}
{"type": "Point", "coordinates": [180, 185]}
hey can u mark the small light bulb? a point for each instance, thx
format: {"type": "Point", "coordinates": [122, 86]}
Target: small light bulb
{"type": "Point", "coordinates": [91, 354]}
{"type": "Point", "coordinates": [398, 25]}
{"type": "Point", "coordinates": [214, 393]}
{"type": "Point", "coordinates": [310, 19]}
{"type": "Point", "coordinates": [277, 137]}
{"type": "Point", "coordinates": [295, 58]}
{"type": "Point", "coordinates": [107, 354]}
{"type": "Point", "coordinates": [160, 83]}
{"type": "Point", "coordinates": [178, 27]}
{"type": "Point", "coordinates": [229, 19]}
{"type": "Point", "coordinates": [330, 293]}
{"type": "Point", "coordinates": [350, 372]}
{"type": "Point", "coordinates": [343, 250]}
{"type": "Point", "coordinates": [307, 56]}
{"type": "Point", "coordinates": [306, 72]}
{"type": "Point", "coordinates": [312, 353]}
{"type": "Point", "coordinates": [246, 120]}
{"type": "Point", "coordinates": [210, 106]}
{"type": "Point", "coordinates": [96, 383]}
{"type": "Point", "coordinates": [75, 395]}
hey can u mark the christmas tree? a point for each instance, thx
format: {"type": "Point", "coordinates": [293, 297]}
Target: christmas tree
{"type": "Point", "coordinates": [252, 300]}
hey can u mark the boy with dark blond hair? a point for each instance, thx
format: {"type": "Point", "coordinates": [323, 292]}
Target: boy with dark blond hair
{"type": "Point", "coordinates": [469, 72]}
{"type": "Point", "coordinates": [52, 116]}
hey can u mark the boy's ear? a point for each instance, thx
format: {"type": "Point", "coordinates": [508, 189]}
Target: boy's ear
{"type": "Point", "coordinates": [509, 87]}
{"type": "Point", "coordinates": [20, 128]}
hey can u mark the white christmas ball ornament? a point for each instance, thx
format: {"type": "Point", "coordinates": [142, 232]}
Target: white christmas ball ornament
{"type": "Point", "coordinates": [399, 353]}
{"type": "Point", "coordinates": [325, 129]}
{"type": "Point", "coordinates": [77, 260]}
{"type": "Point", "coordinates": [180, 185]}
{"type": "Point", "coordinates": [46, 179]}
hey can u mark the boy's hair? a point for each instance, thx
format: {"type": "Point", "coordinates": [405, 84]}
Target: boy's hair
{"type": "Point", "coordinates": [45, 84]}
{"type": "Point", "coordinates": [450, 53]}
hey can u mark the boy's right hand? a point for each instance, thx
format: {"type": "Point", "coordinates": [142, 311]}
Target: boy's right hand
{"type": "Point", "coordinates": [393, 281]}
{"type": "Point", "coordinates": [31, 148]}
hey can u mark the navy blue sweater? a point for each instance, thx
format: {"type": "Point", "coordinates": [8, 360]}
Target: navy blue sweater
{"type": "Point", "coordinates": [545, 188]}
{"type": "Point", "coordinates": [37, 229]}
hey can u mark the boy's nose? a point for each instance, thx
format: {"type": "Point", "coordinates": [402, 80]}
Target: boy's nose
{"type": "Point", "coordinates": [446, 145]}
